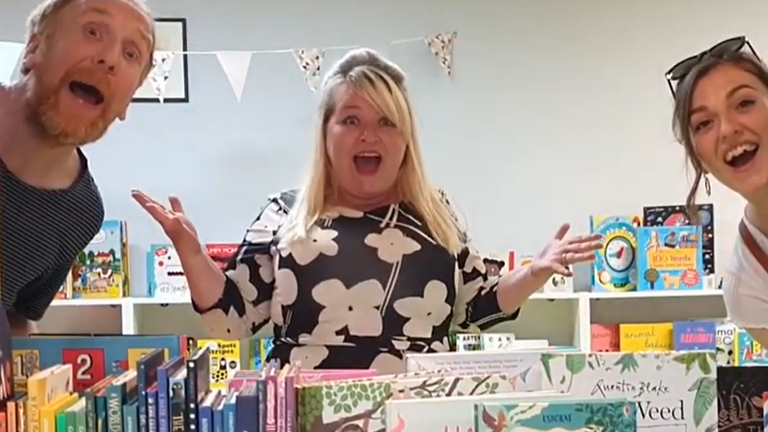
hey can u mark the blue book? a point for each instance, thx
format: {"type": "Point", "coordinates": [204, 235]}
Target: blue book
{"type": "Point", "coordinates": [669, 258]}
{"type": "Point", "coordinates": [205, 411]}
{"type": "Point", "coordinates": [604, 415]}
{"type": "Point", "coordinates": [152, 408]}
{"type": "Point", "coordinates": [218, 414]}
{"type": "Point", "coordinates": [247, 408]}
{"type": "Point", "coordinates": [694, 336]}
{"type": "Point", "coordinates": [147, 367]}
{"type": "Point", "coordinates": [164, 372]}
{"type": "Point", "coordinates": [230, 412]}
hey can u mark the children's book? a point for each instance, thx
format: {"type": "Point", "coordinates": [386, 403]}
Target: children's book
{"type": "Point", "coordinates": [670, 258]}
{"type": "Point", "coordinates": [748, 351]}
{"type": "Point", "coordinates": [646, 337]}
{"type": "Point", "coordinates": [725, 335]}
{"type": "Point", "coordinates": [557, 416]}
{"type": "Point", "coordinates": [614, 268]}
{"type": "Point", "coordinates": [740, 392]}
{"type": "Point", "coordinates": [452, 413]}
{"type": "Point", "coordinates": [694, 335]}
{"type": "Point", "coordinates": [225, 360]}
{"type": "Point", "coordinates": [479, 362]}
{"type": "Point", "coordinates": [605, 337]}
{"type": "Point", "coordinates": [101, 270]}
{"type": "Point", "coordinates": [676, 215]}
{"type": "Point", "coordinates": [674, 391]}
{"type": "Point", "coordinates": [359, 404]}
{"type": "Point", "coordinates": [92, 358]}
{"type": "Point", "coordinates": [165, 276]}
{"type": "Point", "coordinates": [221, 253]}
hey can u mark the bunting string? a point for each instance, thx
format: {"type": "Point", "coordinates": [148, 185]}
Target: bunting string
{"type": "Point", "coordinates": [164, 82]}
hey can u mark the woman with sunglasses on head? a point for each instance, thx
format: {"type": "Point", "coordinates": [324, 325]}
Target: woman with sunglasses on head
{"type": "Point", "coordinates": [721, 118]}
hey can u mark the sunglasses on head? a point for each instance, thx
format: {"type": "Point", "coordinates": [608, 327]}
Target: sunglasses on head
{"type": "Point", "coordinates": [681, 69]}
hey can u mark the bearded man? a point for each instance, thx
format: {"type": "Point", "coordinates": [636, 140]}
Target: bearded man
{"type": "Point", "coordinates": [83, 62]}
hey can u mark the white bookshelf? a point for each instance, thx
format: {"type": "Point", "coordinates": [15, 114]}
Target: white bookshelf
{"type": "Point", "coordinates": [562, 318]}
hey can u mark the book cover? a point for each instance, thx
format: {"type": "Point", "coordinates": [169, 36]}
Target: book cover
{"type": "Point", "coordinates": [560, 416]}
{"type": "Point", "coordinates": [669, 258]}
{"type": "Point", "coordinates": [221, 253]}
{"type": "Point", "coordinates": [725, 337]}
{"type": "Point", "coordinates": [614, 268]}
{"type": "Point", "coordinates": [453, 413]}
{"type": "Point", "coordinates": [101, 269]}
{"type": "Point", "coordinates": [740, 393]}
{"type": "Point", "coordinates": [479, 362]}
{"type": "Point", "coordinates": [605, 337]}
{"type": "Point", "coordinates": [694, 335]}
{"type": "Point", "coordinates": [676, 215]}
{"type": "Point", "coordinates": [646, 337]}
{"type": "Point", "coordinates": [359, 403]}
{"type": "Point", "coordinates": [165, 276]}
{"type": "Point", "coordinates": [92, 358]}
{"type": "Point", "coordinates": [225, 360]}
{"type": "Point", "coordinates": [748, 351]}
{"type": "Point", "coordinates": [674, 391]}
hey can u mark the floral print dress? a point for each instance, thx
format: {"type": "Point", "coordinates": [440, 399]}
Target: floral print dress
{"type": "Point", "coordinates": [361, 291]}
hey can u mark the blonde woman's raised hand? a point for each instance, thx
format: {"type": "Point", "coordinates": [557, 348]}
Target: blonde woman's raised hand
{"type": "Point", "coordinates": [172, 219]}
{"type": "Point", "coordinates": [561, 252]}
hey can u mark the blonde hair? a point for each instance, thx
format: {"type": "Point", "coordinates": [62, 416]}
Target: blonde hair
{"type": "Point", "coordinates": [383, 84]}
{"type": "Point", "coordinates": [40, 17]}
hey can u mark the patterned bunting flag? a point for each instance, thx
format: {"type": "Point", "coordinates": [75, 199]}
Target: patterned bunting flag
{"type": "Point", "coordinates": [310, 62]}
{"type": "Point", "coordinates": [162, 62]}
{"type": "Point", "coordinates": [441, 46]}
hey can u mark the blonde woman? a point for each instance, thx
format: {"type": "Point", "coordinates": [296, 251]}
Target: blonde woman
{"type": "Point", "coordinates": [367, 260]}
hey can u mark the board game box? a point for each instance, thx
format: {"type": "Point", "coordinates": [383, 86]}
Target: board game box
{"type": "Point", "coordinates": [92, 357]}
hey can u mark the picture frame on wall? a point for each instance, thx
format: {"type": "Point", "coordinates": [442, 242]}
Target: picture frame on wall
{"type": "Point", "coordinates": [171, 35]}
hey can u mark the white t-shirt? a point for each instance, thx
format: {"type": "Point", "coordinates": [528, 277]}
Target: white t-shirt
{"type": "Point", "coordinates": [745, 284]}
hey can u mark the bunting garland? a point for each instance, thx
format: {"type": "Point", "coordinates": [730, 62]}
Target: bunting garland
{"type": "Point", "coordinates": [310, 61]}
{"type": "Point", "coordinates": [441, 46]}
{"type": "Point", "coordinates": [236, 64]}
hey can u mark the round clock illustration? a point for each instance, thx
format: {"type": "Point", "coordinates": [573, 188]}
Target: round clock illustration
{"type": "Point", "coordinates": [619, 255]}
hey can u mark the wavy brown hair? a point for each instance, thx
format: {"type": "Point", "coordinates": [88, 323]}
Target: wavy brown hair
{"type": "Point", "coordinates": [682, 112]}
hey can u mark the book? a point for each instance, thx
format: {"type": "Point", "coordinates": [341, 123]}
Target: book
{"type": "Point", "coordinates": [725, 335]}
{"type": "Point", "coordinates": [581, 416]}
{"type": "Point", "coordinates": [694, 335]}
{"type": "Point", "coordinates": [740, 392]}
{"type": "Point", "coordinates": [748, 351]}
{"type": "Point", "coordinates": [670, 258]}
{"type": "Point", "coordinates": [165, 276]}
{"type": "Point", "coordinates": [605, 337]}
{"type": "Point", "coordinates": [646, 337]}
{"type": "Point", "coordinates": [677, 215]}
{"type": "Point", "coordinates": [92, 358]}
{"type": "Point", "coordinates": [614, 268]}
{"type": "Point", "coordinates": [225, 360]}
{"type": "Point", "coordinates": [196, 386]}
{"type": "Point", "coordinates": [146, 368]}
{"type": "Point", "coordinates": [101, 270]}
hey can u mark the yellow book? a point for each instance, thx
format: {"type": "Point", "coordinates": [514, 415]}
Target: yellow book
{"type": "Point", "coordinates": [225, 360]}
{"type": "Point", "coordinates": [48, 412]}
{"type": "Point", "coordinates": [44, 387]}
{"type": "Point", "coordinates": [646, 337]}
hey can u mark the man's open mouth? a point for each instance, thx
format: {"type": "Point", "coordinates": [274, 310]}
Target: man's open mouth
{"type": "Point", "coordinates": [87, 93]}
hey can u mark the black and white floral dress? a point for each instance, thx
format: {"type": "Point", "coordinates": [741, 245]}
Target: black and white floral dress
{"type": "Point", "coordinates": [361, 291]}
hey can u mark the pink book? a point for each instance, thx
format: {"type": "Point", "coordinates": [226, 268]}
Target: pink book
{"type": "Point", "coordinates": [605, 337]}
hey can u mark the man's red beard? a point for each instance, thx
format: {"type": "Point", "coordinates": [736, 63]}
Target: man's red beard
{"type": "Point", "coordinates": [68, 129]}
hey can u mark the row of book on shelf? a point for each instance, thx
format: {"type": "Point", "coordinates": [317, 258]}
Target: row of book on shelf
{"type": "Point", "coordinates": [102, 269]}
{"type": "Point", "coordinates": [656, 250]}
{"type": "Point", "coordinates": [544, 389]}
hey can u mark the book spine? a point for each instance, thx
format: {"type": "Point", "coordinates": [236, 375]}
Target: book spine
{"type": "Point", "coordinates": [90, 411]}
{"type": "Point", "coordinates": [230, 417]}
{"type": "Point", "coordinates": [177, 417]}
{"type": "Point", "coordinates": [152, 410]}
{"type": "Point", "coordinates": [115, 396]}
{"type": "Point", "coordinates": [218, 419]}
{"type": "Point", "coordinates": [281, 404]}
{"type": "Point", "coordinates": [141, 387]}
{"type": "Point", "coordinates": [270, 416]}
{"type": "Point", "coordinates": [163, 408]}
{"type": "Point", "coordinates": [290, 403]}
{"type": "Point", "coordinates": [206, 418]}
{"type": "Point", "coordinates": [261, 402]}
{"type": "Point", "coordinates": [190, 418]}
{"type": "Point", "coordinates": [101, 413]}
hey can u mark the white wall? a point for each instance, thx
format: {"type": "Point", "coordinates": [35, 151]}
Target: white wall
{"type": "Point", "coordinates": [557, 110]}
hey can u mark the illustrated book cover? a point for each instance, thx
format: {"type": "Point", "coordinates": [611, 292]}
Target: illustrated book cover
{"type": "Point", "coordinates": [669, 258]}
{"type": "Point", "coordinates": [614, 268]}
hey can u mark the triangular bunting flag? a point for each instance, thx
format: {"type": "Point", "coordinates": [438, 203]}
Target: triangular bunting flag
{"type": "Point", "coordinates": [235, 65]}
{"type": "Point", "coordinates": [10, 53]}
{"type": "Point", "coordinates": [310, 62]}
{"type": "Point", "coordinates": [162, 63]}
{"type": "Point", "coordinates": [441, 46]}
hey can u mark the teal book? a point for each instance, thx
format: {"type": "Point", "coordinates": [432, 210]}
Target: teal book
{"type": "Point", "coordinates": [557, 416]}
{"type": "Point", "coordinates": [119, 392]}
{"type": "Point", "coordinates": [130, 416]}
